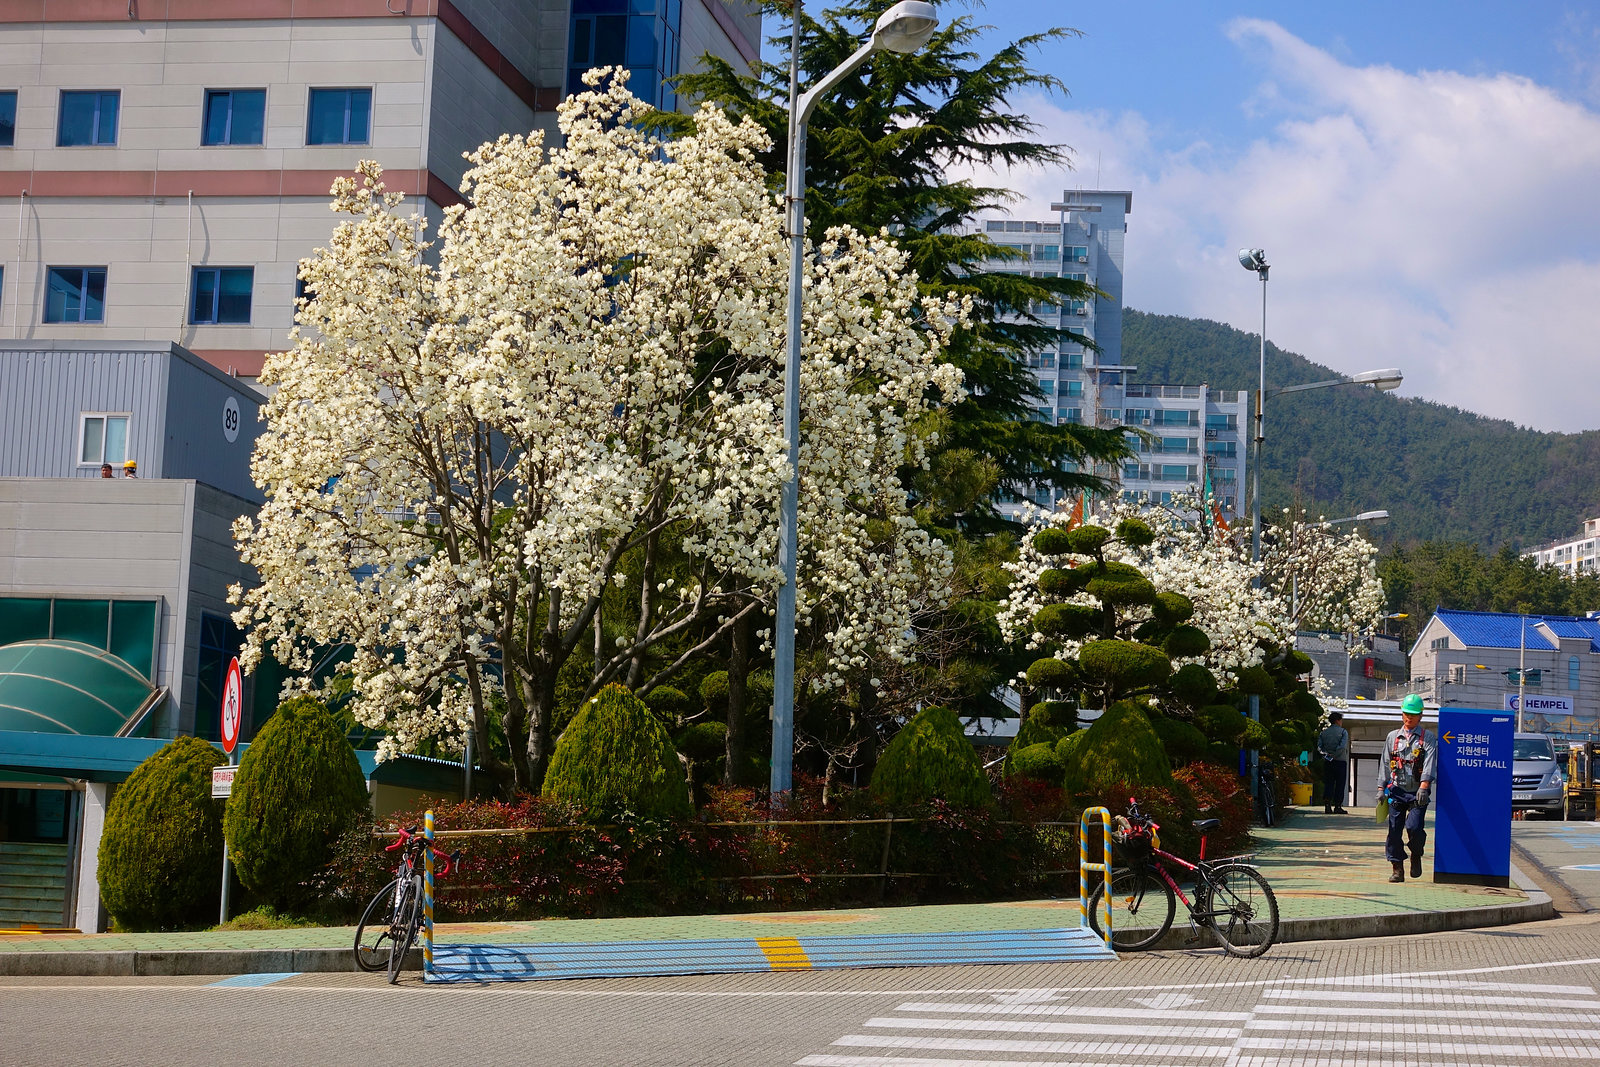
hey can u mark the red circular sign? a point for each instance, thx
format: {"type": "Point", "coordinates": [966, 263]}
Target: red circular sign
{"type": "Point", "coordinates": [232, 705]}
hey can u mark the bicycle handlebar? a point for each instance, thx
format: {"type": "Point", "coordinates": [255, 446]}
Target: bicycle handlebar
{"type": "Point", "coordinates": [447, 863]}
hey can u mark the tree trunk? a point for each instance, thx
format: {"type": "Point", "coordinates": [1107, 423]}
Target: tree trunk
{"type": "Point", "coordinates": [738, 700]}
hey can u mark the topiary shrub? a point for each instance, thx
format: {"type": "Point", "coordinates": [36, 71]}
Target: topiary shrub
{"type": "Point", "coordinates": [1119, 747]}
{"type": "Point", "coordinates": [1052, 673]}
{"type": "Point", "coordinates": [1194, 685]}
{"type": "Point", "coordinates": [714, 692]}
{"type": "Point", "coordinates": [930, 759]}
{"type": "Point", "coordinates": [668, 703]}
{"type": "Point", "coordinates": [614, 756]}
{"type": "Point", "coordinates": [1059, 714]}
{"type": "Point", "coordinates": [160, 859]}
{"type": "Point", "coordinates": [1183, 741]}
{"type": "Point", "coordinates": [704, 741]}
{"type": "Point", "coordinates": [298, 788]}
{"type": "Point", "coordinates": [1221, 722]}
{"type": "Point", "coordinates": [1038, 762]}
{"type": "Point", "coordinates": [1124, 664]}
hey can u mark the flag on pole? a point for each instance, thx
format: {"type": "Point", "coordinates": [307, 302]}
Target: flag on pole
{"type": "Point", "coordinates": [1076, 518]}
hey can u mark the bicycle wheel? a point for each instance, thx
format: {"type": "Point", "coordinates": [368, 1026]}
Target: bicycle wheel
{"type": "Point", "coordinates": [1269, 802]}
{"type": "Point", "coordinates": [1243, 910]}
{"type": "Point", "coordinates": [408, 916]}
{"type": "Point", "coordinates": [1142, 908]}
{"type": "Point", "coordinates": [375, 934]}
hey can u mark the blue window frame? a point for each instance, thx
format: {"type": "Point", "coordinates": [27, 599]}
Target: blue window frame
{"type": "Point", "coordinates": [75, 294]}
{"type": "Point", "coordinates": [222, 295]}
{"type": "Point", "coordinates": [339, 116]}
{"type": "Point", "coordinates": [8, 118]}
{"type": "Point", "coordinates": [234, 116]}
{"type": "Point", "coordinates": [88, 118]}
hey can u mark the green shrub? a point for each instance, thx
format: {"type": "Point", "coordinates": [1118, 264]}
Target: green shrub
{"type": "Point", "coordinates": [1088, 540]}
{"type": "Point", "coordinates": [930, 759]}
{"type": "Point", "coordinates": [1135, 532]}
{"type": "Point", "coordinates": [1052, 673]}
{"type": "Point", "coordinates": [298, 788]}
{"type": "Point", "coordinates": [1124, 664]}
{"type": "Point", "coordinates": [1052, 541]}
{"type": "Point", "coordinates": [1256, 735]}
{"type": "Point", "coordinates": [704, 741]}
{"type": "Point", "coordinates": [1221, 722]}
{"type": "Point", "coordinates": [1172, 608]}
{"type": "Point", "coordinates": [1060, 714]}
{"type": "Point", "coordinates": [1066, 620]}
{"type": "Point", "coordinates": [668, 703]}
{"type": "Point", "coordinates": [1183, 741]}
{"type": "Point", "coordinates": [1194, 685]}
{"type": "Point", "coordinates": [1120, 747]}
{"type": "Point", "coordinates": [616, 756]}
{"type": "Point", "coordinates": [1063, 582]}
{"type": "Point", "coordinates": [160, 858]}
{"type": "Point", "coordinates": [1256, 680]}
{"type": "Point", "coordinates": [1297, 663]}
{"type": "Point", "coordinates": [1187, 641]}
{"type": "Point", "coordinates": [1038, 762]}
{"type": "Point", "coordinates": [714, 692]}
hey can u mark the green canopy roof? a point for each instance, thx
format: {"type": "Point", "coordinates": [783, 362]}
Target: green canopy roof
{"type": "Point", "coordinates": [66, 687]}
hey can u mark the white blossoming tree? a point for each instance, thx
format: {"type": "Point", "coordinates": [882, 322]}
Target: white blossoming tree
{"type": "Point", "coordinates": [575, 386]}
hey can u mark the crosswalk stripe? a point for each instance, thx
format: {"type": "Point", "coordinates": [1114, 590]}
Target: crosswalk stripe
{"type": "Point", "coordinates": [1411, 997]}
{"type": "Point", "coordinates": [1346, 1011]}
{"type": "Point", "coordinates": [1387, 983]}
{"type": "Point", "coordinates": [973, 1044]}
{"type": "Point", "coordinates": [1420, 1027]}
{"type": "Point", "coordinates": [1087, 1025]}
{"type": "Point", "coordinates": [1447, 1048]}
{"type": "Point", "coordinates": [924, 1061]}
{"type": "Point", "coordinates": [1077, 1009]}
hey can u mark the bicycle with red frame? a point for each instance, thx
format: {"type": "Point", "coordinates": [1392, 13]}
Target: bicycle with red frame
{"type": "Point", "coordinates": [389, 926]}
{"type": "Point", "coordinates": [1231, 898]}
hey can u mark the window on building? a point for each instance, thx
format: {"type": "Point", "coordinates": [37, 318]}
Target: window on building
{"type": "Point", "coordinates": [88, 118]}
{"type": "Point", "coordinates": [1176, 472]}
{"type": "Point", "coordinates": [75, 294]}
{"type": "Point", "coordinates": [234, 116]}
{"type": "Point", "coordinates": [102, 438]}
{"type": "Point", "coordinates": [8, 118]}
{"type": "Point", "coordinates": [339, 116]}
{"type": "Point", "coordinates": [1076, 254]}
{"type": "Point", "coordinates": [220, 641]}
{"type": "Point", "coordinates": [1072, 389]}
{"type": "Point", "coordinates": [1572, 673]}
{"type": "Point", "coordinates": [1439, 644]}
{"type": "Point", "coordinates": [222, 295]}
{"type": "Point", "coordinates": [1072, 361]}
{"type": "Point", "coordinates": [1047, 388]}
{"type": "Point", "coordinates": [1222, 422]}
{"type": "Point", "coordinates": [1110, 414]}
{"type": "Point", "coordinates": [641, 35]}
{"type": "Point", "coordinates": [1071, 416]}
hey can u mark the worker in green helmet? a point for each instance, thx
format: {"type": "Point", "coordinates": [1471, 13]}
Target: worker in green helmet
{"type": "Point", "coordinates": [1406, 775]}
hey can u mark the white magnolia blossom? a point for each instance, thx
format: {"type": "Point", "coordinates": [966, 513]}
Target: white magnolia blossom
{"type": "Point", "coordinates": [1335, 575]}
{"type": "Point", "coordinates": [473, 437]}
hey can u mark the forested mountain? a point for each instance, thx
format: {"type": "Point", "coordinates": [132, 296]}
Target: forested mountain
{"type": "Point", "coordinates": [1442, 473]}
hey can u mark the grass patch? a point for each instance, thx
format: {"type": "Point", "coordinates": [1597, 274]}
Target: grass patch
{"type": "Point", "coordinates": [266, 917]}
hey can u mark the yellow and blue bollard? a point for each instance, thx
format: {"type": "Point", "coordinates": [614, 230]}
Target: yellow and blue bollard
{"type": "Point", "coordinates": [427, 895]}
{"type": "Point", "coordinates": [1085, 866]}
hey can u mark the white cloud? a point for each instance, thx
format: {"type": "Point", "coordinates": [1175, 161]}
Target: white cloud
{"type": "Point", "coordinates": [1443, 223]}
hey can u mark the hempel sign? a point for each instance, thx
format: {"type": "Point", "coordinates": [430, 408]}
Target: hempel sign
{"type": "Point", "coordinates": [1534, 705]}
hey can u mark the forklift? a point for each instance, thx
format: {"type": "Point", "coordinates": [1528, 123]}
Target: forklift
{"type": "Point", "coordinates": [1583, 780]}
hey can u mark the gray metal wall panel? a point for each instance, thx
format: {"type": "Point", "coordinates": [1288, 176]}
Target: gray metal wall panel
{"type": "Point", "coordinates": [195, 445]}
{"type": "Point", "coordinates": [44, 389]}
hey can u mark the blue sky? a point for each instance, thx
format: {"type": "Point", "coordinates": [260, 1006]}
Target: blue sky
{"type": "Point", "coordinates": [1425, 178]}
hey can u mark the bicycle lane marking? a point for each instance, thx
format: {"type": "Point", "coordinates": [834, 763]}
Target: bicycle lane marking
{"type": "Point", "coordinates": [246, 981]}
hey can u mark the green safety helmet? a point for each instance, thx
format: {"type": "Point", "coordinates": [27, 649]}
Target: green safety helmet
{"type": "Point", "coordinates": [1411, 705]}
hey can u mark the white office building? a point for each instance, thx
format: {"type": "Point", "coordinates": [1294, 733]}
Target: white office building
{"type": "Point", "coordinates": [1195, 430]}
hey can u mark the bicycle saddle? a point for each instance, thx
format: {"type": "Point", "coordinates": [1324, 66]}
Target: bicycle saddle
{"type": "Point", "coordinates": [1207, 824]}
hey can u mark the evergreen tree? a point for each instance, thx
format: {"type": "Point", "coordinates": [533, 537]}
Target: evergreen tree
{"type": "Point", "coordinates": [616, 755]}
{"type": "Point", "coordinates": [879, 148]}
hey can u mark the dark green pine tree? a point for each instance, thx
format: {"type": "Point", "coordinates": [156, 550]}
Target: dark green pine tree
{"type": "Point", "coordinates": [878, 155]}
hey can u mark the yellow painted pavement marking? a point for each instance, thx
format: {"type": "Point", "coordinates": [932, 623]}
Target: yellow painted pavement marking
{"type": "Point", "coordinates": [784, 953]}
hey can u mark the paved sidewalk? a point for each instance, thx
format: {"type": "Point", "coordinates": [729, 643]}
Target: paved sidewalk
{"type": "Point", "coordinates": [1327, 871]}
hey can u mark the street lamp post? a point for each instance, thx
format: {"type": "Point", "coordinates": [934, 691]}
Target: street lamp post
{"type": "Point", "coordinates": [1256, 259]}
{"type": "Point", "coordinates": [905, 27]}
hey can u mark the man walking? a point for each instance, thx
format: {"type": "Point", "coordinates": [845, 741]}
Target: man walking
{"type": "Point", "coordinates": [1410, 761]}
{"type": "Point", "coordinates": [1334, 744]}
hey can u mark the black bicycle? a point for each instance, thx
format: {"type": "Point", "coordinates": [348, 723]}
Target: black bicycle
{"type": "Point", "coordinates": [1231, 898]}
{"type": "Point", "coordinates": [389, 925]}
{"type": "Point", "coordinates": [1267, 794]}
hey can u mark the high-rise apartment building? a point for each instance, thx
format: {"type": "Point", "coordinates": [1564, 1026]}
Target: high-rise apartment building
{"type": "Point", "coordinates": [168, 161]}
{"type": "Point", "coordinates": [1197, 433]}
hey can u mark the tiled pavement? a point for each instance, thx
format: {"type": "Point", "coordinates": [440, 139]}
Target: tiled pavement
{"type": "Point", "coordinates": [1328, 873]}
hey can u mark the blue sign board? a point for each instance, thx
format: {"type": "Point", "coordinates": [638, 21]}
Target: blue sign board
{"type": "Point", "coordinates": [1472, 825]}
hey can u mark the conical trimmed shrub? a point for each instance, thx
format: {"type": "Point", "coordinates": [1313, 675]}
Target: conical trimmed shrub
{"type": "Point", "coordinates": [160, 859]}
{"type": "Point", "coordinates": [298, 788]}
{"type": "Point", "coordinates": [930, 759]}
{"type": "Point", "coordinates": [615, 755]}
{"type": "Point", "coordinates": [1120, 747]}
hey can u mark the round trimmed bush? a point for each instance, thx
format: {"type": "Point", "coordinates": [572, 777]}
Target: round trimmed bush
{"type": "Point", "coordinates": [704, 741]}
{"type": "Point", "coordinates": [1059, 714]}
{"type": "Point", "coordinates": [1297, 663]}
{"type": "Point", "coordinates": [930, 759]}
{"type": "Point", "coordinates": [160, 859]}
{"type": "Point", "coordinates": [1038, 762]}
{"type": "Point", "coordinates": [1063, 582]}
{"type": "Point", "coordinates": [1052, 673]}
{"type": "Point", "coordinates": [1194, 685]}
{"type": "Point", "coordinates": [1124, 664]}
{"type": "Point", "coordinates": [1066, 620]}
{"type": "Point", "coordinates": [298, 788]}
{"type": "Point", "coordinates": [615, 755]}
{"type": "Point", "coordinates": [714, 692]}
{"type": "Point", "coordinates": [1221, 722]}
{"type": "Point", "coordinates": [1256, 735]}
{"type": "Point", "coordinates": [1135, 532]}
{"type": "Point", "coordinates": [1120, 747]}
{"type": "Point", "coordinates": [669, 703]}
{"type": "Point", "coordinates": [1088, 540]}
{"type": "Point", "coordinates": [1183, 741]}
{"type": "Point", "coordinates": [1172, 608]}
{"type": "Point", "coordinates": [1256, 680]}
{"type": "Point", "coordinates": [1187, 641]}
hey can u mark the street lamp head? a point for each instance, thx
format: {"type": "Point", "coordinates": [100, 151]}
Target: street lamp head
{"type": "Point", "coordinates": [1253, 259]}
{"type": "Point", "coordinates": [1373, 516]}
{"type": "Point", "coordinates": [905, 27]}
{"type": "Point", "coordinates": [1382, 380]}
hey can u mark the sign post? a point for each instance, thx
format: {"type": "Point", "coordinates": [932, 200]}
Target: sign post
{"type": "Point", "coordinates": [1472, 825]}
{"type": "Point", "coordinates": [232, 710]}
